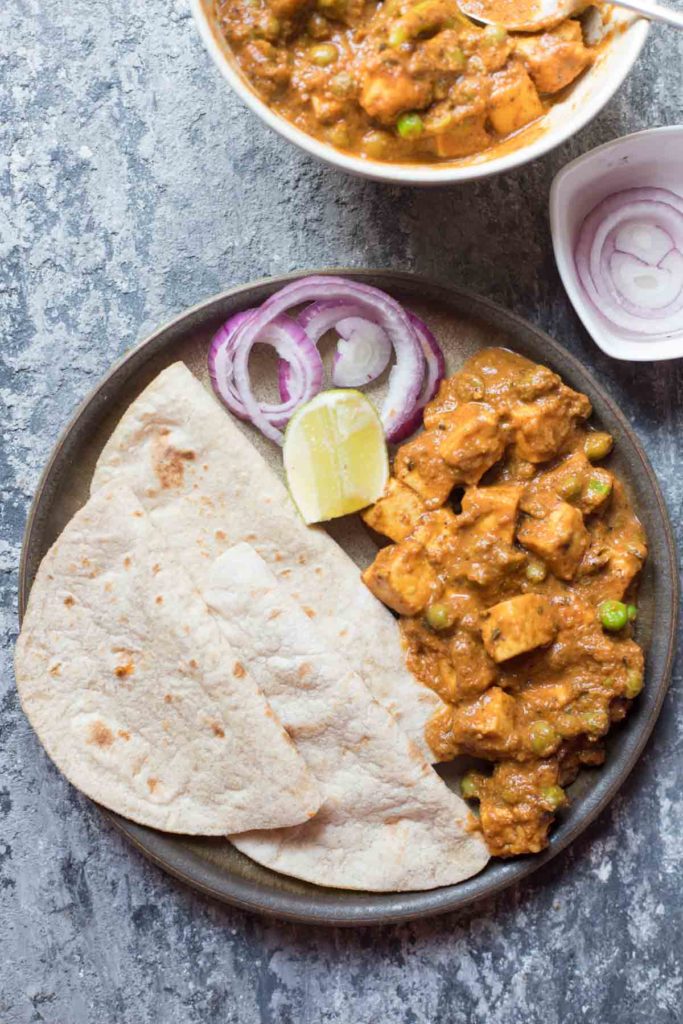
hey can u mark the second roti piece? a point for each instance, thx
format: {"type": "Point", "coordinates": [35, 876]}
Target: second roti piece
{"type": "Point", "coordinates": [388, 823]}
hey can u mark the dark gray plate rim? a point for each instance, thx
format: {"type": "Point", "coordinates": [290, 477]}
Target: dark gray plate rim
{"type": "Point", "coordinates": [333, 907]}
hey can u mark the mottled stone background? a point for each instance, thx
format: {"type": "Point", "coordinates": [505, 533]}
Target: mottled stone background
{"type": "Point", "coordinates": [133, 184]}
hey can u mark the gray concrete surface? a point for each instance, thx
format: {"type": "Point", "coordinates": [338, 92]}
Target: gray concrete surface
{"type": "Point", "coordinates": [133, 184]}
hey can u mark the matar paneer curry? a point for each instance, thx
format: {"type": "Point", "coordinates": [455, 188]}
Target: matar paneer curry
{"type": "Point", "coordinates": [399, 80]}
{"type": "Point", "coordinates": [513, 569]}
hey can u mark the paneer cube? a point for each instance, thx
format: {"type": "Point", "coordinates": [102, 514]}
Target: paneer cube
{"type": "Point", "coordinates": [559, 538]}
{"type": "Point", "coordinates": [489, 720]}
{"type": "Point", "coordinates": [541, 427]}
{"type": "Point", "coordinates": [389, 90]}
{"type": "Point", "coordinates": [470, 136]}
{"type": "Point", "coordinates": [437, 532]}
{"type": "Point", "coordinates": [396, 513]}
{"type": "Point", "coordinates": [494, 509]}
{"type": "Point", "coordinates": [472, 440]}
{"type": "Point", "coordinates": [514, 100]}
{"type": "Point", "coordinates": [419, 465]}
{"type": "Point", "coordinates": [518, 625]}
{"type": "Point", "coordinates": [554, 59]}
{"type": "Point", "coordinates": [402, 578]}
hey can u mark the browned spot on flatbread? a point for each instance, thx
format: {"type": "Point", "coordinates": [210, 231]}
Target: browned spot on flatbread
{"type": "Point", "coordinates": [127, 562]}
{"type": "Point", "coordinates": [100, 735]}
{"type": "Point", "coordinates": [239, 670]}
{"type": "Point", "coordinates": [124, 734]}
{"type": "Point", "coordinates": [220, 535]}
{"type": "Point", "coordinates": [56, 670]}
{"type": "Point", "coordinates": [124, 670]}
{"type": "Point", "coordinates": [85, 562]}
{"type": "Point", "coordinates": [69, 601]}
{"type": "Point", "coordinates": [159, 599]}
{"type": "Point", "coordinates": [168, 699]}
{"type": "Point", "coordinates": [309, 611]}
{"type": "Point", "coordinates": [251, 536]}
{"type": "Point", "coordinates": [275, 614]}
{"type": "Point", "coordinates": [392, 821]}
{"type": "Point", "coordinates": [304, 670]}
{"type": "Point", "coordinates": [278, 557]}
{"type": "Point", "coordinates": [301, 559]}
{"type": "Point", "coordinates": [152, 783]}
{"type": "Point", "coordinates": [193, 663]}
{"type": "Point", "coordinates": [217, 730]}
{"type": "Point", "coordinates": [169, 463]}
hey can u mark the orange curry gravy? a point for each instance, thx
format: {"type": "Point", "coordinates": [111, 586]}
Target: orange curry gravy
{"type": "Point", "coordinates": [508, 539]}
{"type": "Point", "coordinates": [399, 80]}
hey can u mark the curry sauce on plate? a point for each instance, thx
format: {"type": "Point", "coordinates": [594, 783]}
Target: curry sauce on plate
{"type": "Point", "coordinates": [399, 80]}
{"type": "Point", "coordinates": [513, 568]}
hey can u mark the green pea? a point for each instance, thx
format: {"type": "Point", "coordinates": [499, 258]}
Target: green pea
{"type": "Point", "coordinates": [544, 738]}
{"type": "Point", "coordinates": [553, 796]}
{"type": "Point", "coordinates": [598, 445]}
{"type": "Point", "coordinates": [594, 722]}
{"type": "Point", "coordinates": [342, 85]}
{"type": "Point", "coordinates": [375, 144]}
{"type": "Point", "coordinates": [536, 572]}
{"type": "Point", "coordinates": [569, 488]}
{"type": "Point", "coordinates": [268, 27]}
{"type": "Point", "coordinates": [469, 786]}
{"type": "Point", "coordinates": [456, 58]}
{"type": "Point", "coordinates": [339, 136]}
{"type": "Point", "coordinates": [495, 34]}
{"type": "Point", "coordinates": [634, 684]}
{"type": "Point", "coordinates": [438, 616]}
{"type": "Point", "coordinates": [410, 126]}
{"type": "Point", "coordinates": [398, 34]}
{"type": "Point", "coordinates": [613, 615]}
{"type": "Point", "coordinates": [323, 54]}
{"type": "Point", "coordinates": [598, 488]}
{"type": "Point", "coordinates": [632, 612]}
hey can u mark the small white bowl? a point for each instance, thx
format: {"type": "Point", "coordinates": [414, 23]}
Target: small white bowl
{"type": "Point", "coordinates": [649, 159]}
{"type": "Point", "coordinates": [564, 119]}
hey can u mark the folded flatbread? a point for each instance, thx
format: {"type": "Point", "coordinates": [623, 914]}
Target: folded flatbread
{"type": "Point", "coordinates": [136, 694]}
{"type": "Point", "coordinates": [206, 488]}
{"type": "Point", "coordinates": [388, 822]}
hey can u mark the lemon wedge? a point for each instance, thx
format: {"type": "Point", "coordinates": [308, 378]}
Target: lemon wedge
{"type": "Point", "coordinates": [335, 455]}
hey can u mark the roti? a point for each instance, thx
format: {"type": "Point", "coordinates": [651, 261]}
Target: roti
{"type": "Point", "coordinates": [388, 823]}
{"type": "Point", "coordinates": [206, 488]}
{"type": "Point", "coordinates": [135, 692]}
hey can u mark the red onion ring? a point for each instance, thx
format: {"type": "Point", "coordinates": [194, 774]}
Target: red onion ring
{"type": "Point", "coordinates": [629, 242]}
{"type": "Point", "coordinates": [296, 352]}
{"type": "Point", "coordinates": [436, 371]}
{"type": "Point", "coordinates": [406, 376]}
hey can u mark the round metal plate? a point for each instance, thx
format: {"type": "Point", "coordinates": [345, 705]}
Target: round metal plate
{"type": "Point", "coordinates": [463, 323]}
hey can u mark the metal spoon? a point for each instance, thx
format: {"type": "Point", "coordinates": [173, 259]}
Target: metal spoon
{"type": "Point", "coordinates": [535, 15]}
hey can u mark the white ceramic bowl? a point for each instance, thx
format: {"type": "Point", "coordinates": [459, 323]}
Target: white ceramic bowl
{"type": "Point", "coordinates": [652, 158]}
{"type": "Point", "coordinates": [582, 104]}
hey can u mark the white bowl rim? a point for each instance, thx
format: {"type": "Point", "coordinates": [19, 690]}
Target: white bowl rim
{"type": "Point", "coordinates": [629, 348]}
{"type": "Point", "coordinates": [411, 174]}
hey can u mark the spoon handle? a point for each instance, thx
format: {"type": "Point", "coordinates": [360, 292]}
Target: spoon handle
{"type": "Point", "coordinates": [654, 11]}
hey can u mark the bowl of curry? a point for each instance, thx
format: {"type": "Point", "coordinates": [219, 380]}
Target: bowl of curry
{"type": "Point", "coordinates": [413, 90]}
